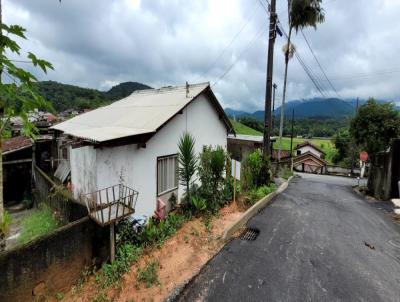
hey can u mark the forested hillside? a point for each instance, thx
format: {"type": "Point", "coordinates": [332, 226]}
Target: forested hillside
{"type": "Point", "coordinates": [63, 96]}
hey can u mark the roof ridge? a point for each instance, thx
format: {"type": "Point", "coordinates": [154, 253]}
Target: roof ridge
{"type": "Point", "coordinates": [168, 88]}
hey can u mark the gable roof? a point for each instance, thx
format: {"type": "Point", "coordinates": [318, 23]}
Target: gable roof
{"type": "Point", "coordinates": [309, 155]}
{"type": "Point", "coordinates": [143, 112]}
{"type": "Point", "coordinates": [15, 144]}
{"type": "Point", "coordinates": [308, 143]}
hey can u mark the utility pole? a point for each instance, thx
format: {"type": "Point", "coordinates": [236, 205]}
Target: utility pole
{"type": "Point", "coordinates": [268, 92]}
{"type": "Point", "coordinates": [291, 143]}
{"type": "Point", "coordinates": [273, 106]}
{"type": "Point", "coordinates": [291, 135]}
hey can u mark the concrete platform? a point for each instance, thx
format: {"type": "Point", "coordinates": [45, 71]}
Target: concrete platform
{"type": "Point", "coordinates": [396, 202]}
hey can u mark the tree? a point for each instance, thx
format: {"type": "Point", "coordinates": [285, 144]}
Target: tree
{"type": "Point", "coordinates": [342, 144]}
{"type": "Point", "coordinates": [301, 14]}
{"type": "Point", "coordinates": [17, 96]}
{"type": "Point", "coordinates": [187, 161]}
{"type": "Point", "coordinates": [375, 125]}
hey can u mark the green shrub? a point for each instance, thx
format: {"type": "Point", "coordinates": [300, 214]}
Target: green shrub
{"type": "Point", "coordinates": [286, 173]}
{"type": "Point", "coordinates": [187, 160]}
{"type": "Point", "coordinates": [256, 194]}
{"type": "Point", "coordinates": [5, 223]}
{"type": "Point", "coordinates": [40, 222]}
{"type": "Point", "coordinates": [198, 204]}
{"type": "Point", "coordinates": [172, 201]}
{"type": "Point", "coordinates": [156, 232]}
{"type": "Point", "coordinates": [149, 274]}
{"type": "Point", "coordinates": [112, 272]}
{"type": "Point", "coordinates": [211, 170]}
{"type": "Point", "coordinates": [255, 171]}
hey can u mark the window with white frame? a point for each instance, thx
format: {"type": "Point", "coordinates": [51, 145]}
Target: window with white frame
{"type": "Point", "coordinates": [167, 173]}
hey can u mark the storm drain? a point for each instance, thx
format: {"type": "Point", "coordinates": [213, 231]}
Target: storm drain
{"type": "Point", "coordinates": [249, 234]}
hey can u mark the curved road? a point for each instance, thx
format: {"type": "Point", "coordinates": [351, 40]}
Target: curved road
{"type": "Point", "coordinates": [312, 246]}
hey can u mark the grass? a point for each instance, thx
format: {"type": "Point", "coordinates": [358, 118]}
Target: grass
{"type": "Point", "coordinates": [40, 222]}
{"type": "Point", "coordinates": [149, 274]}
{"type": "Point", "coordinates": [243, 129]}
{"type": "Point", "coordinates": [324, 143]}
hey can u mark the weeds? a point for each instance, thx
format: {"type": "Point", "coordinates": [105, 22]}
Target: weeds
{"type": "Point", "coordinates": [59, 296]}
{"type": "Point", "coordinates": [149, 274]}
{"type": "Point", "coordinates": [40, 222]}
{"type": "Point", "coordinates": [112, 272]}
{"type": "Point", "coordinates": [5, 223]}
{"type": "Point", "coordinates": [286, 173]}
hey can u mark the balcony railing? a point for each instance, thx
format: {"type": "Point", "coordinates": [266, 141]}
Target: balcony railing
{"type": "Point", "coordinates": [111, 204]}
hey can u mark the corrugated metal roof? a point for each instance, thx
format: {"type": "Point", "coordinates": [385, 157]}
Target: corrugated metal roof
{"type": "Point", "coordinates": [142, 112]}
{"type": "Point", "coordinates": [16, 143]}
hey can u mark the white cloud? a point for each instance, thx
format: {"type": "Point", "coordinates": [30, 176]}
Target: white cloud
{"type": "Point", "coordinates": [100, 43]}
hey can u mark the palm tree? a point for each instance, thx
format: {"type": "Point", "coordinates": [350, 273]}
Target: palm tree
{"type": "Point", "coordinates": [187, 161]}
{"type": "Point", "coordinates": [301, 14]}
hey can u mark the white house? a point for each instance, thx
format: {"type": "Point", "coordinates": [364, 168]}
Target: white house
{"type": "Point", "coordinates": [309, 147]}
{"type": "Point", "coordinates": [137, 137]}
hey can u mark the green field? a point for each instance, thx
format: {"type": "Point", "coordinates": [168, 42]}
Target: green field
{"type": "Point", "coordinates": [325, 144]}
{"type": "Point", "coordinates": [243, 129]}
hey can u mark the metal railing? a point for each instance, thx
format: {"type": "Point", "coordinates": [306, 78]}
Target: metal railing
{"type": "Point", "coordinates": [111, 204]}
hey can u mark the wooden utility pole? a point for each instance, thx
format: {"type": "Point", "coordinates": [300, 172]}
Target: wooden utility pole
{"type": "Point", "coordinates": [273, 107]}
{"type": "Point", "coordinates": [291, 134]}
{"type": "Point", "coordinates": [268, 92]}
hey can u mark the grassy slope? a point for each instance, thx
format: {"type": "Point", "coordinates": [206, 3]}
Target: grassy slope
{"type": "Point", "coordinates": [243, 129]}
{"type": "Point", "coordinates": [324, 143]}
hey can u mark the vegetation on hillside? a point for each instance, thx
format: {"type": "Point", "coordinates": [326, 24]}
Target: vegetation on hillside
{"type": "Point", "coordinates": [63, 96]}
{"type": "Point", "coordinates": [301, 127]}
{"type": "Point", "coordinates": [243, 129]}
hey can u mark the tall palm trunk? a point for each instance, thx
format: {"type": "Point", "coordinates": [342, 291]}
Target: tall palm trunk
{"type": "Point", "coordinates": [284, 94]}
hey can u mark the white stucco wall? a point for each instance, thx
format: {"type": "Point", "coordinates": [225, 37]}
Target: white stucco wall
{"type": "Point", "coordinates": [139, 166]}
{"type": "Point", "coordinates": [311, 149]}
{"type": "Point", "coordinates": [83, 170]}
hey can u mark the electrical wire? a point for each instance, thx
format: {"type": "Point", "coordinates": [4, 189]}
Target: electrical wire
{"type": "Point", "coordinates": [257, 35]}
{"type": "Point", "coordinates": [212, 65]}
{"type": "Point", "coordinates": [319, 64]}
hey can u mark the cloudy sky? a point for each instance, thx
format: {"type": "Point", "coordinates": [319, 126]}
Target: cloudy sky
{"type": "Point", "coordinates": [99, 43]}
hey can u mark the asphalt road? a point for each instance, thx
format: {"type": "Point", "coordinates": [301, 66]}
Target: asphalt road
{"type": "Point", "coordinates": [311, 247]}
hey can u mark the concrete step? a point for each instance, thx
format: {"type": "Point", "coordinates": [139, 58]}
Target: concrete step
{"type": "Point", "coordinates": [396, 202]}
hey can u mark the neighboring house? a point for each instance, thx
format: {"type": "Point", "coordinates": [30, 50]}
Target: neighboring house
{"type": "Point", "coordinates": [309, 158]}
{"type": "Point", "coordinates": [136, 140]}
{"type": "Point", "coordinates": [240, 146]}
{"type": "Point", "coordinates": [17, 165]}
{"type": "Point", "coordinates": [309, 147]}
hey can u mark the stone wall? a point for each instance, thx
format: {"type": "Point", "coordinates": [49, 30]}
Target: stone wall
{"type": "Point", "coordinates": [52, 263]}
{"type": "Point", "coordinates": [385, 173]}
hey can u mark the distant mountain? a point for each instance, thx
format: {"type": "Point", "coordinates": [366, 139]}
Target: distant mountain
{"type": "Point", "coordinates": [235, 113]}
{"type": "Point", "coordinates": [313, 108]}
{"type": "Point", "coordinates": [122, 90]}
{"type": "Point", "coordinates": [64, 96]}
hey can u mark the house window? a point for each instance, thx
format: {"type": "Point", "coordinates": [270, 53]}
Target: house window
{"type": "Point", "coordinates": [167, 174]}
{"type": "Point", "coordinates": [298, 152]}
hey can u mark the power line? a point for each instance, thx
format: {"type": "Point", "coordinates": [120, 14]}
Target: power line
{"type": "Point", "coordinates": [257, 35]}
{"type": "Point", "coordinates": [319, 64]}
{"type": "Point", "coordinates": [211, 66]}
{"type": "Point", "coordinates": [307, 70]}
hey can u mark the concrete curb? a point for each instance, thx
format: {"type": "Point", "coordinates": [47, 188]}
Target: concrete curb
{"type": "Point", "coordinates": [253, 210]}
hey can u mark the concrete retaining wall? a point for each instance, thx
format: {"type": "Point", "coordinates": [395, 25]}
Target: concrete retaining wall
{"type": "Point", "coordinates": [53, 262]}
{"type": "Point", "coordinates": [385, 173]}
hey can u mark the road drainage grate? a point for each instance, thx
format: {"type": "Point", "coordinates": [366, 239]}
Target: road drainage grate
{"type": "Point", "coordinates": [249, 234]}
